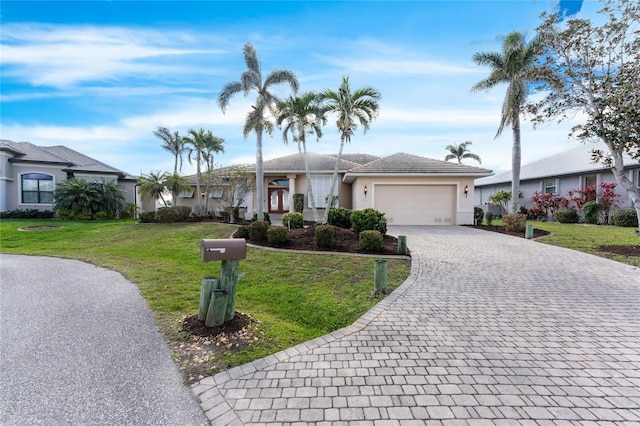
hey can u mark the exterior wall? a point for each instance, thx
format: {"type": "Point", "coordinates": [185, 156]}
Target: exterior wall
{"type": "Point", "coordinates": [14, 191]}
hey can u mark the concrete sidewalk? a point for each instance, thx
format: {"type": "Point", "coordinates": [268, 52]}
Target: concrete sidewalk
{"type": "Point", "coordinates": [80, 346]}
{"type": "Point", "coordinates": [488, 329]}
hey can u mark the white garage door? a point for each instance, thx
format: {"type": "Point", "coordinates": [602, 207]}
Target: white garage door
{"type": "Point", "coordinates": [416, 204]}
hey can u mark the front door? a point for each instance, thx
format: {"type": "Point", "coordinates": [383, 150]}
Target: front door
{"type": "Point", "coordinates": [278, 200]}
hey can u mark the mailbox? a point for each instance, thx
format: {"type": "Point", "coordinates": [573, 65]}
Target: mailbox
{"type": "Point", "coordinates": [231, 249]}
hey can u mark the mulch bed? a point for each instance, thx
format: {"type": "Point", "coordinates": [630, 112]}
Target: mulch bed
{"type": "Point", "coordinates": [621, 250]}
{"type": "Point", "coordinates": [502, 230]}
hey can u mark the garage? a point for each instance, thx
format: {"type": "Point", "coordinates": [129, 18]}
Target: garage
{"type": "Point", "coordinates": [416, 204]}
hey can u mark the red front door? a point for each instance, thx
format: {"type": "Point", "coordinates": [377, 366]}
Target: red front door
{"type": "Point", "coordinates": [278, 200]}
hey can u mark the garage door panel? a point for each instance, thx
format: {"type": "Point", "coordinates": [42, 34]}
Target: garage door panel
{"type": "Point", "coordinates": [416, 204]}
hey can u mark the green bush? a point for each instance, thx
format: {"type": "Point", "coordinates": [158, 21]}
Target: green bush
{"type": "Point", "coordinates": [515, 222]}
{"type": "Point", "coordinates": [65, 214]}
{"type": "Point", "coordinates": [489, 217]}
{"type": "Point", "coordinates": [478, 214]}
{"type": "Point", "coordinates": [82, 216]}
{"type": "Point", "coordinates": [243, 232]}
{"type": "Point", "coordinates": [298, 203]}
{"type": "Point", "coordinates": [101, 216]}
{"type": "Point", "coordinates": [145, 217]}
{"type": "Point", "coordinates": [368, 220]}
{"type": "Point", "coordinates": [183, 213]}
{"type": "Point", "coordinates": [340, 217]}
{"type": "Point", "coordinates": [371, 240]}
{"type": "Point", "coordinates": [625, 217]}
{"type": "Point", "coordinates": [324, 236]}
{"type": "Point", "coordinates": [28, 214]}
{"type": "Point", "coordinates": [277, 235]}
{"type": "Point", "coordinates": [258, 231]}
{"type": "Point", "coordinates": [265, 216]}
{"type": "Point", "coordinates": [294, 220]}
{"type": "Point", "coordinates": [592, 211]}
{"type": "Point", "coordinates": [166, 215]}
{"type": "Point", "coordinates": [567, 216]}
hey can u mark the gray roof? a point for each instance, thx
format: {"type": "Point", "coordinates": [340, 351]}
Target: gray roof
{"type": "Point", "coordinates": [413, 165]}
{"type": "Point", "coordinates": [67, 158]}
{"type": "Point", "coordinates": [571, 162]}
{"type": "Point", "coordinates": [294, 163]}
{"type": "Point", "coordinates": [360, 158]}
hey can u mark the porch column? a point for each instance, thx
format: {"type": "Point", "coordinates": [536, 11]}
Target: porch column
{"type": "Point", "coordinates": [292, 190]}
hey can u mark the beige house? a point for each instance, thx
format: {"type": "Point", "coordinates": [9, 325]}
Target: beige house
{"type": "Point", "coordinates": [409, 189]}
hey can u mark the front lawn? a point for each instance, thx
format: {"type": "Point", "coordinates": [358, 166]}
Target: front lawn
{"type": "Point", "coordinates": [294, 297]}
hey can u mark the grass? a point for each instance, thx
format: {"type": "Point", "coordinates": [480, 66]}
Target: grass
{"type": "Point", "coordinates": [295, 296]}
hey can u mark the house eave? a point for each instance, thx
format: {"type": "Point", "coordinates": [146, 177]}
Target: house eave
{"type": "Point", "coordinates": [350, 177]}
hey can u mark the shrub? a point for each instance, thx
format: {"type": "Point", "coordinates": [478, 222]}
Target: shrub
{"type": "Point", "coordinates": [625, 217]}
{"type": "Point", "coordinates": [265, 216]}
{"type": "Point", "coordinates": [567, 216]}
{"type": "Point", "coordinates": [340, 217]}
{"type": "Point", "coordinates": [523, 210]}
{"type": "Point", "coordinates": [324, 236]}
{"type": "Point", "coordinates": [515, 222]}
{"type": "Point", "coordinates": [166, 215]}
{"type": "Point", "coordinates": [298, 203]}
{"type": "Point", "coordinates": [27, 214]}
{"type": "Point", "coordinates": [591, 212]}
{"type": "Point", "coordinates": [129, 211]}
{"type": "Point", "coordinates": [82, 216]}
{"type": "Point", "coordinates": [294, 220]}
{"type": "Point", "coordinates": [146, 217]}
{"type": "Point", "coordinates": [368, 220]}
{"type": "Point", "coordinates": [101, 216]}
{"type": "Point", "coordinates": [183, 213]}
{"type": "Point", "coordinates": [277, 235]}
{"type": "Point", "coordinates": [371, 240]}
{"type": "Point", "coordinates": [489, 216]}
{"type": "Point", "coordinates": [258, 231]}
{"type": "Point", "coordinates": [478, 214]}
{"type": "Point", "coordinates": [243, 232]}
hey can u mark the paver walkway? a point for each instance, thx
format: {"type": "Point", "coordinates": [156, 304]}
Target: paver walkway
{"type": "Point", "coordinates": [489, 329]}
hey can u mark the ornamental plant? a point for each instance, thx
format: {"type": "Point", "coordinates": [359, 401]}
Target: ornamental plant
{"type": "Point", "coordinates": [625, 217]}
{"type": "Point", "coordinates": [324, 236]}
{"type": "Point", "coordinates": [293, 220]}
{"type": "Point", "coordinates": [515, 222]}
{"type": "Point", "coordinates": [371, 240]}
{"type": "Point", "coordinates": [547, 204]}
{"type": "Point", "coordinates": [340, 217]}
{"type": "Point", "coordinates": [368, 220]}
{"type": "Point", "coordinates": [277, 235]}
{"type": "Point", "coordinates": [258, 231]}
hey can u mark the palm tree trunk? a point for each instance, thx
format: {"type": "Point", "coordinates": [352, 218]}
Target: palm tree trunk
{"type": "Point", "coordinates": [312, 199]}
{"type": "Point", "coordinates": [199, 204]}
{"type": "Point", "coordinates": [259, 174]}
{"type": "Point", "coordinates": [515, 164]}
{"type": "Point", "coordinates": [334, 178]}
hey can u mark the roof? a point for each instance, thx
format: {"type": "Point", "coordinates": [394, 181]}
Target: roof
{"type": "Point", "coordinates": [413, 165]}
{"type": "Point", "coordinates": [67, 158]}
{"type": "Point", "coordinates": [294, 163]}
{"type": "Point", "coordinates": [571, 162]}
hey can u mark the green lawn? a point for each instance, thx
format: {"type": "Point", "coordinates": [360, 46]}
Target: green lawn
{"type": "Point", "coordinates": [296, 297]}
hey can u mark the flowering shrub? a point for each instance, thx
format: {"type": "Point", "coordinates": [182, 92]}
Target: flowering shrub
{"type": "Point", "coordinates": [607, 198]}
{"type": "Point", "coordinates": [515, 222]}
{"type": "Point", "coordinates": [580, 197]}
{"type": "Point", "coordinates": [546, 204]}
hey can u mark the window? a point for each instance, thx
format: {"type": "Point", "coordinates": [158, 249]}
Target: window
{"type": "Point", "coordinates": [320, 186]}
{"type": "Point", "coordinates": [37, 188]}
{"type": "Point", "coordinates": [215, 193]}
{"type": "Point", "coordinates": [549, 185]}
{"type": "Point", "coordinates": [186, 194]}
{"type": "Point", "coordinates": [590, 180]}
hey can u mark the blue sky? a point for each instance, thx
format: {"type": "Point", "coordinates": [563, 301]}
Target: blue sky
{"type": "Point", "coordinates": [100, 77]}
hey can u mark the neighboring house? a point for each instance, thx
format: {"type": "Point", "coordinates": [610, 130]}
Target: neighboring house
{"type": "Point", "coordinates": [30, 173]}
{"type": "Point", "coordinates": [560, 173]}
{"type": "Point", "coordinates": [409, 189]}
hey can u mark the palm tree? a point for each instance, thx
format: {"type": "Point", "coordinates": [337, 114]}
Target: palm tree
{"type": "Point", "coordinates": [174, 143]}
{"type": "Point", "coordinates": [175, 183]}
{"type": "Point", "coordinates": [460, 151]}
{"type": "Point", "coordinates": [78, 196]}
{"type": "Point", "coordinates": [514, 66]}
{"type": "Point", "coordinates": [303, 117]}
{"type": "Point", "coordinates": [202, 145]}
{"type": "Point", "coordinates": [250, 80]}
{"type": "Point", "coordinates": [360, 106]}
{"type": "Point", "coordinates": [152, 186]}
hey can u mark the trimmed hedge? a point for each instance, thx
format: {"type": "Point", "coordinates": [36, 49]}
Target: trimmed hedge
{"type": "Point", "coordinates": [371, 240]}
{"type": "Point", "coordinates": [368, 220]}
{"type": "Point", "coordinates": [625, 217]}
{"type": "Point", "coordinates": [147, 217]}
{"type": "Point", "coordinates": [277, 235]}
{"type": "Point", "coordinates": [27, 214]}
{"type": "Point", "coordinates": [243, 232]}
{"type": "Point", "coordinates": [324, 236]}
{"type": "Point", "coordinates": [294, 219]}
{"type": "Point", "coordinates": [478, 215]}
{"type": "Point", "coordinates": [298, 202]}
{"type": "Point", "coordinates": [340, 217]}
{"type": "Point", "coordinates": [567, 216]}
{"type": "Point", "coordinates": [258, 231]}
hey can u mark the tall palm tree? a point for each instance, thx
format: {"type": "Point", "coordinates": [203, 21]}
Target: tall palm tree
{"type": "Point", "coordinates": [514, 66]}
{"type": "Point", "coordinates": [174, 143]}
{"type": "Point", "coordinates": [202, 145]}
{"type": "Point", "coordinates": [251, 80]}
{"type": "Point", "coordinates": [152, 186]}
{"type": "Point", "coordinates": [352, 108]}
{"type": "Point", "coordinates": [303, 116]}
{"type": "Point", "coordinates": [459, 152]}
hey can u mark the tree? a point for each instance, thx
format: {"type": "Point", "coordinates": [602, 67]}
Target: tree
{"type": "Point", "coordinates": [595, 70]}
{"type": "Point", "coordinates": [251, 80]}
{"type": "Point", "coordinates": [237, 184]}
{"type": "Point", "coordinates": [514, 66]}
{"type": "Point", "coordinates": [302, 116]}
{"type": "Point", "coordinates": [174, 143]}
{"type": "Point", "coordinates": [112, 199]}
{"type": "Point", "coordinates": [459, 152]}
{"type": "Point", "coordinates": [175, 183]}
{"type": "Point", "coordinates": [202, 145]}
{"type": "Point", "coordinates": [352, 108]}
{"type": "Point", "coordinates": [84, 198]}
{"type": "Point", "coordinates": [152, 186]}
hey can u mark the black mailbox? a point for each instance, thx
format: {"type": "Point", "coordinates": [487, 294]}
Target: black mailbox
{"type": "Point", "coordinates": [231, 249]}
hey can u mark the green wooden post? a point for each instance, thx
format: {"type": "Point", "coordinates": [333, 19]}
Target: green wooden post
{"type": "Point", "coordinates": [402, 244]}
{"type": "Point", "coordinates": [380, 277]}
{"type": "Point", "coordinates": [217, 308]}
{"type": "Point", "coordinates": [228, 282]}
{"type": "Point", "coordinates": [208, 285]}
{"type": "Point", "coordinates": [529, 231]}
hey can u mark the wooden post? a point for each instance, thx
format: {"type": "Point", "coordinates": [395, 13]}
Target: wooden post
{"type": "Point", "coordinates": [217, 308]}
{"type": "Point", "coordinates": [228, 282]}
{"type": "Point", "coordinates": [208, 285]}
{"type": "Point", "coordinates": [529, 231]}
{"type": "Point", "coordinates": [380, 277]}
{"type": "Point", "coordinates": [402, 244]}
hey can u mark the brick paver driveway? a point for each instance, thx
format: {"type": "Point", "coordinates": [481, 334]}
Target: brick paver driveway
{"type": "Point", "coordinates": [488, 329]}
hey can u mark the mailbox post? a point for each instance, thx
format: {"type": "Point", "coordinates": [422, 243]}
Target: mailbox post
{"type": "Point", "coordinates": [220, 294]}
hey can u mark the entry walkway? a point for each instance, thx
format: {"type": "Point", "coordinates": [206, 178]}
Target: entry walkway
{"type": "Point", "coordinates": [488, 329]}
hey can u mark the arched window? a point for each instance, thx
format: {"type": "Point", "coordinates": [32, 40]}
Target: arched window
{"type": "Point", "coordinates": [37, 188]}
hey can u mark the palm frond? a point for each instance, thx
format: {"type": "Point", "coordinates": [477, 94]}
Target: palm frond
{"type": "Point", "coordinates": [279, 77]}
{"type": "Point", "coordinates": [227, 92]}
{"type": "Point", "coordinates": [251, 58]}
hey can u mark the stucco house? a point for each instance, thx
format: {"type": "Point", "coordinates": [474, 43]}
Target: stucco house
{"type": "Point", "coordinates": [30, 173]}
{"type": "Point", "coordinates": [559, 173]}
{"type": "Point", "coordinates": [409, 189]}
